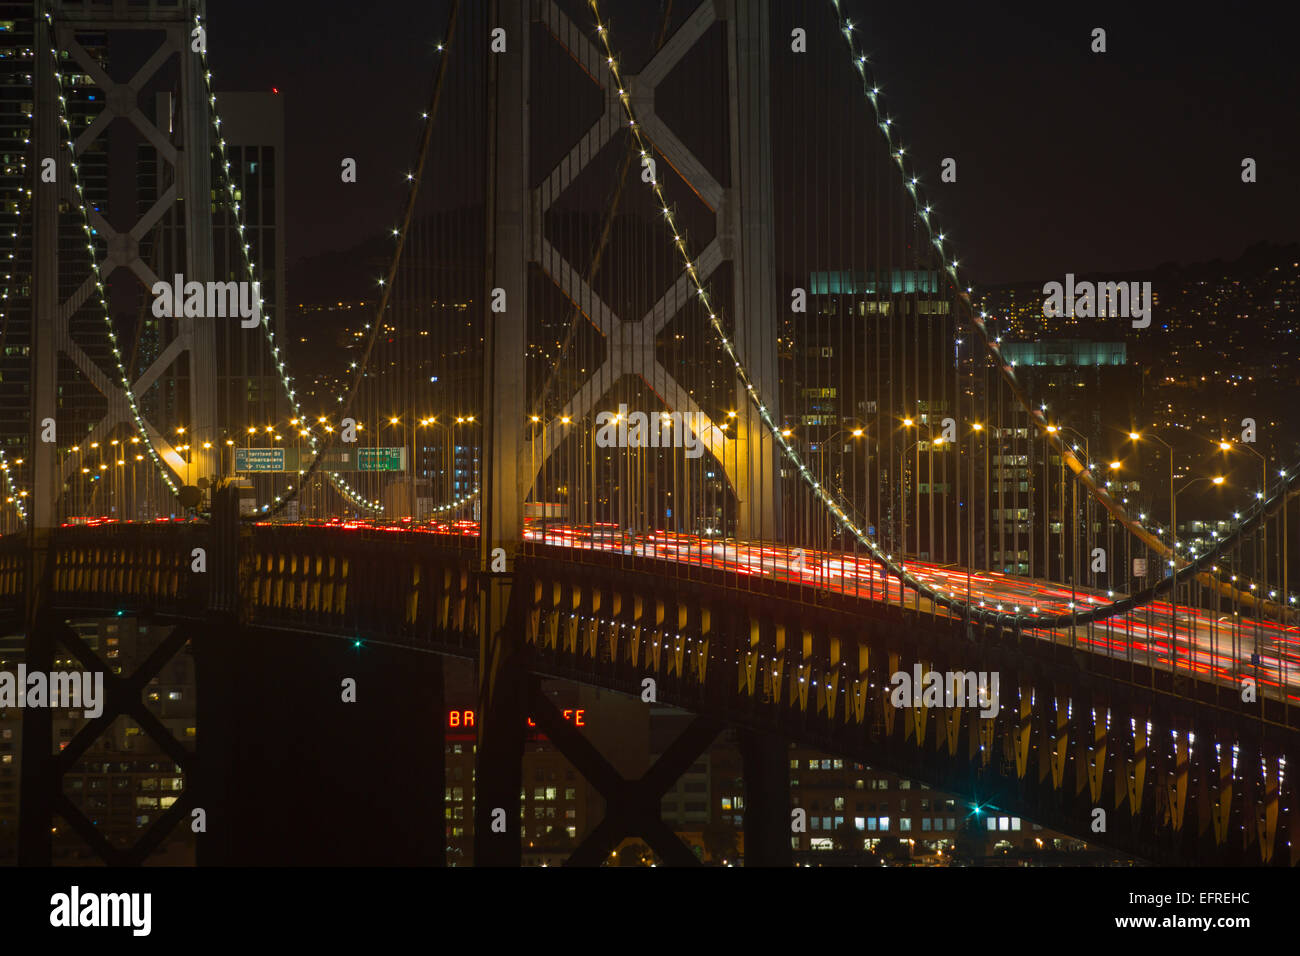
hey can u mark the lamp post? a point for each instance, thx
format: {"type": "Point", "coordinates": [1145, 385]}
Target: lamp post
{"type": "Point", "coordinates": [1173, 590]}
{"type": "Point", "coordinates": [1074, 508]}
{"type": "Point", "coordinates": [1262, 559]}
{"type": "Point", "coordinates": [857, 431]}
{"type": "Point", "coordinates": [975, 428]}
{"type": "Point", "coordinates": [916, 476]}
{"type": "Point", "coordinates": [449, 458]}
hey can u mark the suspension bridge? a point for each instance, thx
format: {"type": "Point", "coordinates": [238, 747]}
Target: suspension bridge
{"type": "Point", "coordinates": [670, 383]}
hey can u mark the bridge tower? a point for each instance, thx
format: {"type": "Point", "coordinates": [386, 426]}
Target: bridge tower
{"type": "Point", "coordinates": [187, 149]}
{"type": "Point", "coordinates": [744, 236]}
{"type": "Point", "coordinates": [744, 215]}
{"type": "Point", "coordinates": [501, 676]}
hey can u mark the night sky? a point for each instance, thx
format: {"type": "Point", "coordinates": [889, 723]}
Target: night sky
{"type": "Point", "coordinates": [1067, 160]}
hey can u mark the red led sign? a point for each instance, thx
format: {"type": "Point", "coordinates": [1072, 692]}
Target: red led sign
{"type": "Point", "coordinates": [464, 719]}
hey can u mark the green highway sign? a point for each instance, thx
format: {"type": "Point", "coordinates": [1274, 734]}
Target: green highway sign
{"type": "Point", "coordinates": [259, 459]}
{"type": "Point", "coordinates": [381, 459]}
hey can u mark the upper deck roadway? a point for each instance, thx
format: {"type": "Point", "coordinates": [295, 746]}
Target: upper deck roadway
{"type": "Point", "coordinates": [1227, 646]}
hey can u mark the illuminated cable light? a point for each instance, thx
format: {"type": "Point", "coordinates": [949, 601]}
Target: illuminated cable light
{"type": "Point", "coordinates": [286, 380]}
{"type": "Point", "coordinates": [979, 322]}
{"type": "Point", "coordinates": [742, 373]}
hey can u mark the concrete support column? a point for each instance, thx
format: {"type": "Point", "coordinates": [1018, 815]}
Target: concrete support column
{"type": "Point", "coordinates": [501, 690]}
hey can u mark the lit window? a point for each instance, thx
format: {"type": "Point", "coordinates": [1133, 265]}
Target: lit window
{"type": "Point", "coordinates": [904, 824]}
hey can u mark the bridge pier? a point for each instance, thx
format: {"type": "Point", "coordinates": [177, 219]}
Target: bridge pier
{"type": "Point", "coordinates": [501, 684]}
{"type": "Point", "coordinates": [499, 754]}
{"type": "Point", "coordinates": [39, 781]}
{"type": "Point", "coordinates": [766, 770]}
{"type": "Point", "coordinates": [312, 750]}
{"type": "Point", "coordinates": [631, 806]}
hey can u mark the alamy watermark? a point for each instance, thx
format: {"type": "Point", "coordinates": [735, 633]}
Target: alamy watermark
{"type": "Point", "coordinates": [208, 300]}
{"type": "Point", "coordinates": [946, 689]}
{"type": "Point", "coordinates": [77, 909]}
{"type": "Point", "coordinates": [641, 430]}
{"type": "Point", "coordinates": [58, 689]}
{"type": "Point", "coordinates": [1099, 300]}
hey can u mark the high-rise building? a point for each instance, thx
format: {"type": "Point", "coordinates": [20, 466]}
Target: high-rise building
{"type": "Point", "coordinates": [868, 387]}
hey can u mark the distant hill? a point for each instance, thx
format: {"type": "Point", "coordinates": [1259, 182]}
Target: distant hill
{"type": "Point", "coordinates": [1256, 259]}
{"type": "Point", "coordinates": [352, 274]}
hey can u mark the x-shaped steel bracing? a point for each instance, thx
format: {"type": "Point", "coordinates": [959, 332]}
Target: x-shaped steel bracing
{"type": "Point", "coordinates": [630, 346]}
{"type": "Point", "coordinates": [121, 100]}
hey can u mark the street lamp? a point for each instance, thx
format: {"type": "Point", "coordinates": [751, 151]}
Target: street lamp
{"type": "Point", "coordinates": [856, 431]}
{"type": "Point", "coordinates": [1262, 559]}
{"type": "Point", "coordinates": [1134, 436]}
{"type": "Point", "coordinates": [934, 443]}
{"type": "Point", "coordinates": [1173, 588]}
{"type": "Point", "coordinates": [975, 429]}
{"type": "Point", "coordinates": [432, 422]}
